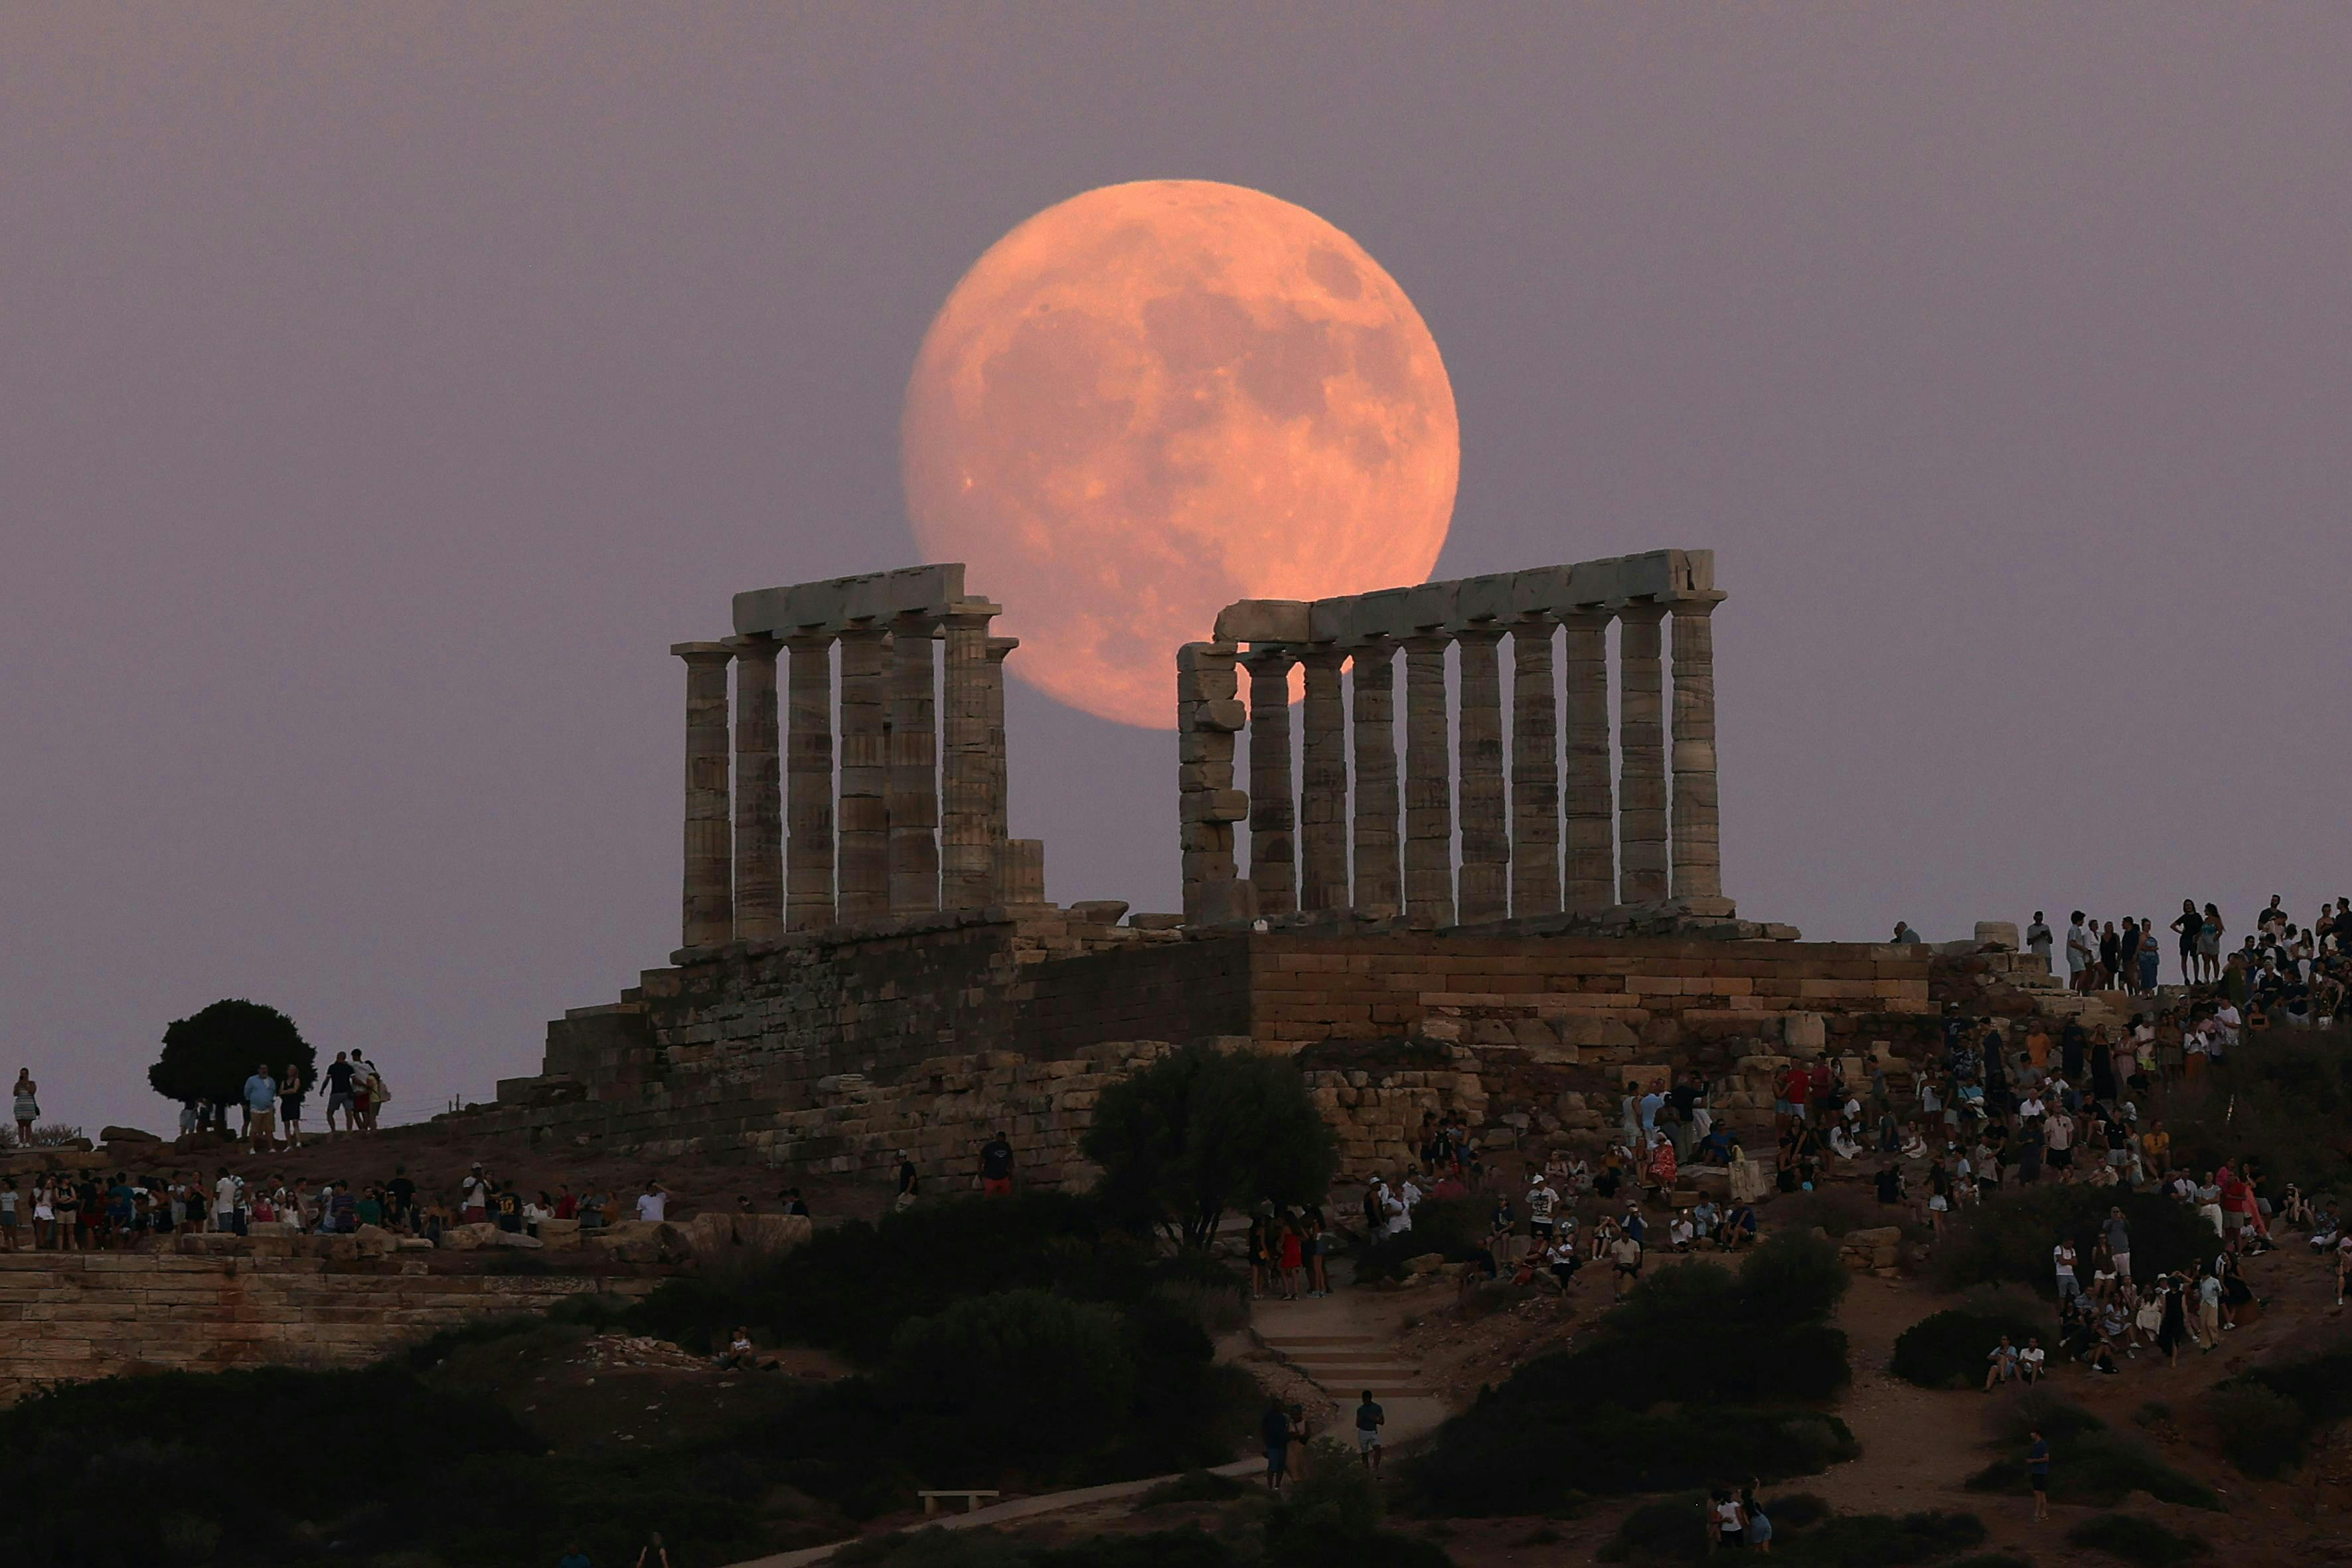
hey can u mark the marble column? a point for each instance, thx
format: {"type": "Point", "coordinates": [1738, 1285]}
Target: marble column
{"type": "Point", "coordinates": [1642, 767]}
{"type": "Point", "coordinates": [1323, 785]}
{"type": "Point", "coordinates": [998, 792]}
{"type": "Point", "coordinates": [1379, 887]}
{"type": "Point", "coordinates": [1208, 713]}
{"type": "Point", "coordinates": [864, 773]}
{"type": "Point", "coordinates": [1534, 771]}
{"type": "Point", "coordinates": [709, 906]}
{"type": "Point", "coordinates": [1273, 811]}
{"type": "Point", "coordinates": [1696, 830]}
{"type": "Point", "coordinates": [1486, 887]}
{"type": "Point", "coordinates": [808, 784]}
{"type": "Point", "coordinates": [967, 854]}
{"type": "Point", "coordinates": [1591, 838]}
{"type": "Point", "coordinates": [913, 787]}
{"type": "Point", "coordinates": [758, 792]}
{"type": "Point", "coordinates": [1428, 786]}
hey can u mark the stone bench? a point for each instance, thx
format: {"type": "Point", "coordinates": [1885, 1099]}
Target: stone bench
{"type": "Point", "coordinates": [971, 1495]}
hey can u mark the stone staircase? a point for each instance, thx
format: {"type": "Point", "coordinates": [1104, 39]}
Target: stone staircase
{"type": "Point", "coordinates": [1345, 1366]}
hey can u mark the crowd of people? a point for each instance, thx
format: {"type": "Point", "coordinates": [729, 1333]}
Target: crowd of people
{"type": "Point", "coordinates": [94, 1212]}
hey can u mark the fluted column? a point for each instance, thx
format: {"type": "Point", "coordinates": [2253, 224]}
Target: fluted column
{"type": "Point", "coordinates": [1379, 887]}
{"type": "Point", "coordinates": [1323, 787]}
{"type": "Point", "coordinates": [1534, 771]}
{"type": "Point", "coordinates": [1642, 773]}
{"type": "Point", "coordinates": [967, 856]}
{"type": "Point", "coordinates": [914, 780]}
{"type": "Point", "coordinates": [1697, 826]}
{"type": "Point", "coordinates": [1485, 888]}
{"type": "Point", "coordinates": [1592, 840]}
{"type": "Point", "coordinates": [1428, 788]}
{"type": "Point", "coordinates": [864, 773]}
{"type": "Point", "coordinates": [998, 790]}
{"type": "Point", "coordinates": [1208, 713]}
{"type": "Point", "coordinates": [758, 792]}
{"type": "Point", "coordinates": [709, 905]}
{"type": "Point", "coordinates": [1274, 812]}
{"type": "Point", "coordinates": [808, 784]}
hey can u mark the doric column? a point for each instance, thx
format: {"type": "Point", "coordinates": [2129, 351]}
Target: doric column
{"type": "Point", "coordinates": [758, 792]}
{"type": "Point", "coordinates": [1323, 791]}
{"type": "Point", "coordinates": [709, 894]}
{"type": "Point", "coordinates": [1641, 772]}
{"type": "Point", "coordinates": [1380, 889]}
{"type": "Point", "coordinates": [914, 782]}
{"type": "Point", "coordinates": [808, 779]}
{"type": "Point", "coordinates": [864, 773]}
{"type": "Point", "coordinates": [1485, 888]}
{"type": "Point", "coordinates": [999, 791]}
{"type": "Point", "coordinates": [1428, 786]}
{"type": "Point", "coordinates": [1592, 841]}
{"type": "Point", "coordinates": [1534, 771]}
{"type": "Point", "coordinates": [1274, 812]}
{"type": "Point", "coordinates": [1697, 828]}
{"type": "Point", "coordinates": [1207, 715]}
{"type": "Point", "coordinates": [967, 856]}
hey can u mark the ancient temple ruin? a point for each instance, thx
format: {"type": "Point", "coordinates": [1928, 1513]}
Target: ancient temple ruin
{"type": "Point", "coordinates": [1635, 845]}
{"type": "Point", "coordinates": [913, 820]}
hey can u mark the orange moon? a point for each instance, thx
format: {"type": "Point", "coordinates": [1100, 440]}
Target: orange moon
{"type": "Point", "coordinates": [1153, 399]}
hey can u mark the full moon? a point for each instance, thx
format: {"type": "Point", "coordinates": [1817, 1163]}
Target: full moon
{"type": "Point", "coordinates": [1153, 399]}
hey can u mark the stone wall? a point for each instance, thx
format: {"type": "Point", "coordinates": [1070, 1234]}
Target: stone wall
{"type": "Point", "coordinates": [72, 1316]}
{"type": "Point", "coordinates": [829, 1052]}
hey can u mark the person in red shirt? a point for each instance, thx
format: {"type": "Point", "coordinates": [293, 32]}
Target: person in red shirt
{"type": "Point", "coordinates": [566, 1206]}
{"type": "Point", "coordinates": [1796, 1090]}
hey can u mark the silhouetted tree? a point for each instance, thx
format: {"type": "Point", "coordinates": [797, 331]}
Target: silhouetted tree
{"type": "Point", "coordinates": [208, 1055]}
{"type": "Point", "coordinates": [1199, 1131]}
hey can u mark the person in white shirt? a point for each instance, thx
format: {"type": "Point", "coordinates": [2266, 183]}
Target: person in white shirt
{"type": "Point", "coordinates": [229, 1197]}
{"type": "Point", "coordinates": [1542, 1203]}
{"type": "Point", "coordinates": [2031, 1361]}
{"type": "Point", "coordinates": [2082, 956]}
{"type": "Point", "coordinates": [2063, 1256]}
{"type": "Point", "coordinates": [653, 1204]}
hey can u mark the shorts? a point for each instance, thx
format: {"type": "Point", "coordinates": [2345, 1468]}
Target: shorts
{"type": "Point", "coordinates": [1278, 1460]}
{"type": "Point", "coordinates": [2040, 1482]}
{"type": "Point", "coordinates": [996, 1186]}
{"type": "Point", "coordinates": [264, 1124]}
{"type": "Point", "coordinates": [1367, 1441]}
{"type": "Point", "coordinates": [2059, 1159]}
{"type": "Point", "coordinates": [1540, 1228]}
{"type": "Point", "coordinates": [338, 1102]}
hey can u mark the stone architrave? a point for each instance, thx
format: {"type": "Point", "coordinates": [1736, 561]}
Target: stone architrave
{"type": "Point", "coordinates": [1428, 786]}
{"type": "Point", "coordinates": [1484, 882]}
{"type": "Point", "coordinates": [808, 783]}
{"type": "Point", "coordinates": [998, 790]}
{"type": "Point", "coordinates": [967, 853]}
{"type": "Point", "coordinates": [758, 792]}
{"type": "Point", "coordinates": [1379, 885]}
{"type": "Point", "coordinates": [1642, 771]}
{"type": "Point", "coordinates": [913, 786]}
{"type": "Point", "coordinates": [1591, 833]}
{"type": "Point", "coordinates": [1695, 828]}
{"type": "Point", "coordinates": [1208, 713]}
{"type": "Point", "coordinates": [709, 905]}
{"type": "Point", "coordinates": [1534, 771]}
{"type": "Point", "coordinates": [864, 774]}
{"type": "Point", "coordinates": [1323, 783]}
{"type": "Point", "coordinates": [1273, 809]}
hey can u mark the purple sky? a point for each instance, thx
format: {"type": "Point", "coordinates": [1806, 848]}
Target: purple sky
{"type": "Point", "coordinates": [383, 389]}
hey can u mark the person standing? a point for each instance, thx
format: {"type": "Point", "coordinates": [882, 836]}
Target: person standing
{"type": "Point", "coordinates": [28, 1106]}
{"type": "Point", "coordinates": [261, 1110]}
{"type": "Point", "coordinates": [2117, 1233]}
{"type": "Point", "coordinates": [2038, 940]}
{"type": "Point", "coordinates": [996, 1167]}
{"type": "Point", "coordinates": [2037, 1471]}
{"type": "Point", "coordinates": [653, 1204]}
{"type": "Point", "coordinates": [2082, 956]}
{"type": "Point", "coordinates": [290, 1104]}
{"type": "Point", "coordinates": [655, 1555]}
{"type": "Point", "coordinates": [339, 1094]}
{"type": "Point", "coordinates": [911, 1182]}
{"type": "Point", "coordinates": [1370, 1420]}
{"type": "Point", "coordinates": [1274, 1430]}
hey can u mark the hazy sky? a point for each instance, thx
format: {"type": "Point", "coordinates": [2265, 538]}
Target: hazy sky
{"type": "Point", "coordinates": [383, 388]}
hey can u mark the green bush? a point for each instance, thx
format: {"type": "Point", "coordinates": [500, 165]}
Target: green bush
{"type": "Point", "coordinates": [2098, 1468]}
{"type": "Point", "coordinates": [2288, 1096]}
{"type": "Point", "coordinates": [2140, 1541]}
{"type": "Point", "coordinates": [1948, 1350]}
{"type": "Point", "coordinates": [1671, 1530]}
{"type": "Point", "coordinates": [1505, 1458]}
{"type": "Point", "coordinates": [1792, 1277]}
{"type": "Point", "coordinates": [2260, 1431]}
{"type": "Point", "coordinates": [2007, 1240]}
{"type": "Point", "coordinates": [1053, 1378]}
